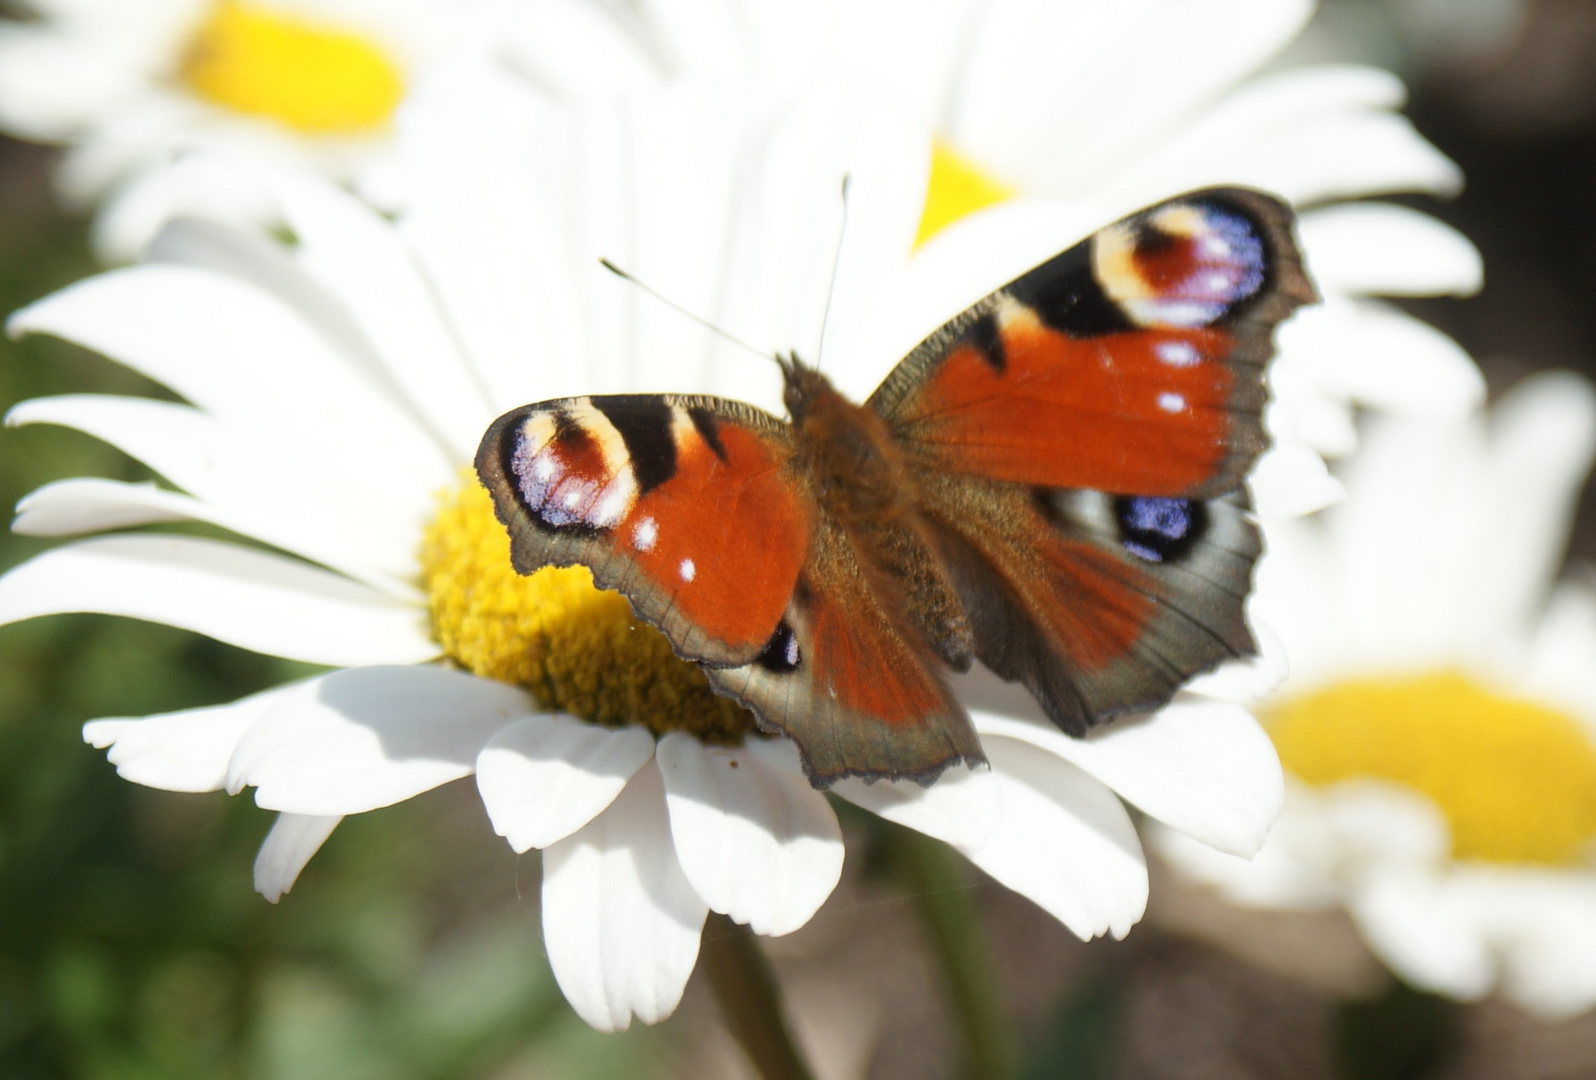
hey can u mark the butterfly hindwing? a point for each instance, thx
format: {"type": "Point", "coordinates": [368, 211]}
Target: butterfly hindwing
{"type": "Point", "coordinates": [1132, 362]}
{"type": "Point", "coordinates": [1098, 604]}
{"type": "Point", "coordinates": [850, 679]}
{"type": "Point", "coordinates": [687, 505]}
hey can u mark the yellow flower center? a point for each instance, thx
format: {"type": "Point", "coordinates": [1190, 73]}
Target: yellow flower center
{"type": "Point", "coordinates": [957, 187]}
{"type": "Point", "coordinates": [1516, 781]}
{"type": "Point", "coordinates": [319, 79]}
{"type": "Point", "coordinates": [576, 649]}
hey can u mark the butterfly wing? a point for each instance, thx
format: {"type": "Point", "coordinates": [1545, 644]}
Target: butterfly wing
{"type": "Point", "coordinates": [684, 504]}
{"type": "Point", "coordinates": [1132, 363]}
{"type": "Point", "coordinates": [1098, 604]}
{"type": "Point", "coordinates": [695, 509]}
{"type": "Point", "coordinates": [851, 680]}
{"type": "Point", "coordinates": [1079, 440]}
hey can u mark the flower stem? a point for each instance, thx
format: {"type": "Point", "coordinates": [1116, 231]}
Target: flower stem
{"type": "Point", "coordinates": [942, 890]}
{"type": "Point", "coordinates": [749, 998]}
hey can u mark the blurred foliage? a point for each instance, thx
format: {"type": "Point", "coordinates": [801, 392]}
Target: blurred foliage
{"type": "Point", "coordinates": [132, 943]}
{"type": "Point", "coordinates": [1404, 1034]}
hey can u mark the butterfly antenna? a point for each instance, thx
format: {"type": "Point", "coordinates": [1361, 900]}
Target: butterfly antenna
{"type": "Point", "coordinates": [674, 306]}
{"type": "Point", "coordinates": [836, 261]}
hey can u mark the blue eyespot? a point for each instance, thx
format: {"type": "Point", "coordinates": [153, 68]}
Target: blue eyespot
{"type": "Point", "coordinates": [1158, 529]}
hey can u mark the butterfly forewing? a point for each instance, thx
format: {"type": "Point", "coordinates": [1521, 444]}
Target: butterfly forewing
{"type": "Point", "coordinates": [1132, 363]}
{"type": "Point", "coordinates": [685, 504]}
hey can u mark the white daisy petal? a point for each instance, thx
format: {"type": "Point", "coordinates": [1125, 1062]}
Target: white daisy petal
{"type": "Point", "coordinates": [962, 808]}
{"type": "Point", "coordinates": [545, 776]}
{"type": "Point", "coordinates": [52, 86]}
{"type": "Point", "coordinates": [362, 738]}
{"type": "Point", "coordinates": [255, 259]}
{"type": "Point", "coordinates": [758, 844]}
{"type": "Point", "coordinates": [288, 498]}
{"type": "Point", "coordinates": [89, 504]}
{"type": "Point", "coordinates": [1289, 480]}
{"type": "Point", "coordinates": [361, 259]}
{"type": "Point", "coordinates": [172, 322]}
{"type": "Point", "coordinates": [1032, 63]}
{"type": "Point", "coordinates": [1543, 442]}
{"type": "Point", "coordinates": [293, 839]}
{"type": "Point", "coordinates": [1548, 962]}
{"type": "Point", "coordinates": [1204, 767]}
{"type": "Point", "coordinates": [490, 253]}
{"type": "Point", "coordinates": [570, 48]}
{"type": "Point", "coordinates": [149, 192]}
{"type": "Point", "coordinates": [1377, 356]}
{"type": "Point", "coordinates": [1557, 668]}
{"type": "Point", "coordinates": [186, 750]}
{"type": "Point", "coordinates": [1381, 248]}
{"type": "Point", "coordinates": [1066, 842]}
{"type": "Point", "coordinates": [1308, 134]}
{"type": "Point", "coordinates": [620, 921]}
{"type": "Point", "coordinates": [1425, 932]}
{"type": "Point", "coordinates": [244, 597]}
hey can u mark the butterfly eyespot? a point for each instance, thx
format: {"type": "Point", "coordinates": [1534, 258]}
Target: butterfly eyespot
{"type": "Point", "coordinates": [781, 655]}
{"type": "Point", "coordinates": [1159, 529]}
{"type": "Point", "coordinates": [1187, 264]}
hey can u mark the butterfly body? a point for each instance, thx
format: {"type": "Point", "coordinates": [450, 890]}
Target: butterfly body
{"type": "Point", "coordinates": [1050, 484]}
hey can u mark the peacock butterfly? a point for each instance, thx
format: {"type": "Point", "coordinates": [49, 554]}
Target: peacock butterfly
{"type": "Point", "coordinates": [1051, 483]}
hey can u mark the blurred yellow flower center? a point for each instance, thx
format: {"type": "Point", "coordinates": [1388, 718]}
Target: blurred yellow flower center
{"type": "Point", "coordinates": [576, 649]}
{"type": "Point", "coordinates": [957, 187]}
{"type": "Point", "coordinates": [1515, 780]}
{"type": "Point", "coordinates": [319, 79]}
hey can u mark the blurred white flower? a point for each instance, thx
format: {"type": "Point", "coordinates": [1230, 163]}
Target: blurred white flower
{"type": "Point", "coordinates": [1067, 114]}
{"type": "Point", "coordinates": [1439, 725]}
{"type": "Point", "coordinates": [127, 84]}
{"type": "Point", "coordinates": [335, 388]}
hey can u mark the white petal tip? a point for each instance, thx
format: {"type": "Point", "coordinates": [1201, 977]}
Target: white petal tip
{"type": "Point", "coordinates": [285, 851]}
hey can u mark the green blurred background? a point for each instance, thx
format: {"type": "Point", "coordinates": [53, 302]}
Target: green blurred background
{"type": "Point", "coordinates": [133, 945]}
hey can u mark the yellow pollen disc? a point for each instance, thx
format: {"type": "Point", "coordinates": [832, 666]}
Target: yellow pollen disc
{"type": "Point", "coordinates": [957, 188]}
{"type": "Point", "coordinates": [576, 649]}
{"type": "Point", "coordinates": [318, 79]}
{"type": "Point", "coordinates": [1516, 781]}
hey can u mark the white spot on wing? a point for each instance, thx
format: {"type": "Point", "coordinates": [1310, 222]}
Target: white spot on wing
{"type": "Point", "coordinates": [1176, 353]}
{"type": "Point", "coordinates": [1171, 403]}
{"type": "Point", "coordinates": [687, 570]}
{"type": "Point", "coordinates": [644, 535]}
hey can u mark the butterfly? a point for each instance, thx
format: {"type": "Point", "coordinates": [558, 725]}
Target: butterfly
{"type": "Point", "coordinates": [1051, 484]}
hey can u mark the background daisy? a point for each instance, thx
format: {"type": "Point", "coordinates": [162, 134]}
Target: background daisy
{"type": "Point", "coordinates": [1439, 725]}
{"type": "Point", "coordinates": [127, 84]}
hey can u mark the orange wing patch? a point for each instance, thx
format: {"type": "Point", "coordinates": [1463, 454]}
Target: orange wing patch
{"type": "Point", "coordinates": [723, 538]}
{"type": "Point", "coordinates": [1143, 412]}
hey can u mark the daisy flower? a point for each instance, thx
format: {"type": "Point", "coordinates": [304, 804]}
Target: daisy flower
{"type": "Point", "coordinates": [334, 390]}
{"type": "Point", "coordinates": [123, 83]}
{"type": "Point", "coordinates": [1439, 725]}
{"type": "Point", "coordinates": [1064, 117]}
